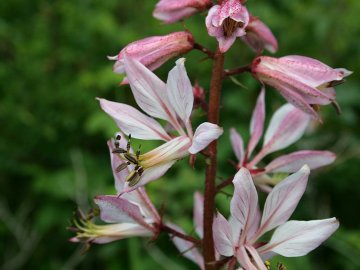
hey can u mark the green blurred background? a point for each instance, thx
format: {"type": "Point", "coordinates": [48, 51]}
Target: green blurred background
{"type": "Point", "coordinates": [53, 135]}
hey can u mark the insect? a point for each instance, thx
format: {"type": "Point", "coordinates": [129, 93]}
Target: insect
{"type": "Point", "coordinates": [129, 159]}
{"type": "Point", "coordinates": [267, 265]}
{"type": "Point", "coordinates": [281, 266]}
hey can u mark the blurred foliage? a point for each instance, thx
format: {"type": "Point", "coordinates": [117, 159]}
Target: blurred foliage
{"type": "Point", "coordinates": [53, 136]}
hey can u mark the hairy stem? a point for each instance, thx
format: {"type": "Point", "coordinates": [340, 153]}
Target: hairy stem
{"type": "Point", "coordinates": [201, 48]}
{"type": "Point", "coordinates": [239, 70]}
{"type": "Point", "coordinates": [209, 196]}
{"type": "Point", "coordinates": [176, 233]}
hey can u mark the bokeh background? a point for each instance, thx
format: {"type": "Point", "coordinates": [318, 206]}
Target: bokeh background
{"type": "Point", "coordinates": [53, 134]}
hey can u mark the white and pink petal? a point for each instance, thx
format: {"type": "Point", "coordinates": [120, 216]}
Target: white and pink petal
{"type": "Point", "coordinates": [282, 200]}
{"type": "Point", "coordinates": [204, 135]}
{"type": "Point", "coordinates": [131, 121]}
{"type": "Point", "coordinates": [298, 238]}
{"type": "Point", "coordinates": [292, 162]}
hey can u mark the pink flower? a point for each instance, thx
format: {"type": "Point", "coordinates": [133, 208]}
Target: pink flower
{"type": "Point", "coordinates": [287, 125]}
{"type": "Point", "coordinates": [131, 215]}
{"type": "Point", "coordinates": [302, 81]}
{"type": "Point", "coordinates": [171, 11]}
{"type": "Point", "coordinates": [239, 235]}
{"type": "Point", "coordinates": [259, 36]}
{"type": "Point", "coordinates": [172, 102]}
{"type": "Point", "coordinates": [154, 51]}
{"type": "Point", "coordinates": [226, 22]}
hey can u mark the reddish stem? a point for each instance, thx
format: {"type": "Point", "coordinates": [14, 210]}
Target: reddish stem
{"type": "Point", "coordinates": [176, 233]}
{"type": "Point", "coordinates": [210, 192]}
{"type": "Point", "coordinates": [224, 183]}
{"type": "Point", "coordinates": [230, 72]}
{"type": "Point", "coordinates": [201, 48]}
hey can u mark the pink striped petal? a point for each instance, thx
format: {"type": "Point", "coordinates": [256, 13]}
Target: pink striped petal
{"type": "Point", "coordinates": [133, 122]}
{"type": "Point", "coordinates": [287, 125]}
{"type": "Point", "coordinates": [222, 236]}
{"type": "Point", "coordinates": [292, 162]}
{"type": "Point", "coordinates": [204, 135]}
{"type": "Point", "coordinates": [283, 199]}
{"type": "Point", "coordinates": [259, 36]}
{"type": "Point", "coordinates": [237, 145]}
{"type": "Point", "coordinates": [117, 210]}
{"type": "Point", "coordinates": [298, 238]}
{"type": "Point", "coordinates": [311, 71]}
{"type": "Point", "coordinates": [198, 213]}
{"type": "Point", "coordinates": [180, 91]}
{"type": "Point", "coordinates": [244, 202]}
{"type": "Point", "coordinates": [149, 175]}
{"type": "Point", "coordinates": [171, 11]}
{"type": "Point", "coordinates": [257, 122]}
{"type": "Point", "coordinates": [149, 91]}
{"type": "Point", "coordinates": [297, 99]}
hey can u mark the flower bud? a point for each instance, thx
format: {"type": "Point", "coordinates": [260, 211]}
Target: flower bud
{"type": "Point", "coordinates": [154, 51]}
{"type": "Point", "coordinates": [259, 37]}
{"type": "Point", "coordinates": [302, 81]}
{"type": "Point", "coordinates": [170, 11]}
{"type": "Point", "coordinates": [199, 96]}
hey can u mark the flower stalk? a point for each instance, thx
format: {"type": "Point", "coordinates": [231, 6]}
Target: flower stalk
{"type": "Point", "coordinates": [210, 191]}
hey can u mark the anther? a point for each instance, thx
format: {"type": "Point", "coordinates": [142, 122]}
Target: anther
{"type": "Point", "coordinates": [128, 143]}
{"type": "Point", "coordinates": [131, 158]}
{"type": "Point", "coordinates": [122, 166]}
{"type": "Point", "coordinates": [138, 152]}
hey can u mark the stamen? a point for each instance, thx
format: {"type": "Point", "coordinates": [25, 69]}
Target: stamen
{"type": "Point", "coordinates": [119, 151]}
{"type": "Point", "coordinates": [122, 166]}
{"type": "Point", "coordinates": [131, 158]}
{"type": "Point", "coordinates": [133, 178]}
{"type": "Point", "coordinates": [117, 141]}
{"type": "Point", "coordinates": [128, 144]}
{"type": "Point", "coordinates": [138, 152]}
{"type": "Point", "coordinates": [230, 25]}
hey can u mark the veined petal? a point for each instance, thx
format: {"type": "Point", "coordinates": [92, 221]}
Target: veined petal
{"type": "Point", "coordinates": [186, 248]}
{"type": "Point", "coordinates": [226, 42]}
{"type": "Point", "coordinates": [259, 36]}
{"type": "Point", "coordinates": [237, 145]}
{"type": "Point", "coordinates": [198, 213]}
{"type": "Point", "coordinates": [311, 71]}
{"type": "Point", "coordinates": [117, 210]}
{"type": "Point", "coordinates": [149, 175]}
{"type": "Point", "coordinates": [149, 91]}
{"type": "Point", "coordinates": [133, 122]}
{"type": "Point", "coordinates": [204, 135]}
{"type": "Point", "coordinates": [298, 238]}
{"type": "Point", "coordinates": [286, 126]}
{"type": "Point", "coordinates": [283, 199]}
{"type": "Point", "coordinates": [244, 202]}
{"type": "Point", "coordinates": [180, 92]}
{"type": "Point", "coordinates": [243, 257]}
{"type": "Point", "coordinates": [222, 236]}
{"type": "Point", "coordinates": [257, 122]}
{"type": "Point", "coordinates": [102, 234]}
{"type": "Point", "coordinates": [297, 99]}
{"type": "Point", "coordinates": [175, 149]}
{"type": "Point", "coordinates": [292, 162]}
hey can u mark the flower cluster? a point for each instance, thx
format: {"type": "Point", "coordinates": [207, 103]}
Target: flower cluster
{"type": "Point", "coordinates": [304, 82]}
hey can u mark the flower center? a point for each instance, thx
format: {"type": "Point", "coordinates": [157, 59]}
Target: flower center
{"type": "Point", "coordinates": [129, 159]}
{"type": "Point", "coordinates": [230, 25]}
